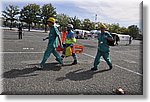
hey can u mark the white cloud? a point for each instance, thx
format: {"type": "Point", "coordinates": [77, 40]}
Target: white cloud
{"type": "Point", "coordinates": [114, 10]}
{"type": "Point", "coordinates": [36, 1]}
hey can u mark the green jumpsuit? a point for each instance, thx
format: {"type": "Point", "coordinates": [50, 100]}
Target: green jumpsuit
{"type": "Point", "coordinates": [103, 49]}
{"type": "Point", "coordinates": [52, 44]}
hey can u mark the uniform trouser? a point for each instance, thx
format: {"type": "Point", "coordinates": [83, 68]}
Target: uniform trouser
{"type": "Point", "coordinates": [20, 35]}
{"type": "Point", "coordinates": [105, 56]}
{"type": "Point", "coordinates": [48, 52]}
{"type": "Point", "coordinates": [73, 51]}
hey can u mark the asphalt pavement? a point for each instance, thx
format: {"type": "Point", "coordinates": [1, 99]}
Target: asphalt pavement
{"type": "Point", "coordinates": [20, 76]}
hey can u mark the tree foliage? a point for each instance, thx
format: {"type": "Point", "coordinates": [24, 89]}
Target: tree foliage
{"type": "Point", "coordinates": [88, 25]}
{"type": "Point", "coordinates": [133, 30]}
{"type": "Point", "coordinates": [75, 22]}
{"type": "Point", "coordinates": [123, 30]}
{"type": "Point", "coordinates": [30, 13]}
{"type": "Point", "coordinates": [63, 20]}
{"type": "Point", "coordinates": [114, 28]}
{"type": "Point", "coordinates": [47, 11]}
{"type": "Point", "coordinates": [10, 13]}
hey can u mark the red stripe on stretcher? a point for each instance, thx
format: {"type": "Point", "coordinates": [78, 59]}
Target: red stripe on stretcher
{"type": "Point", "coordinates": [78, 49]}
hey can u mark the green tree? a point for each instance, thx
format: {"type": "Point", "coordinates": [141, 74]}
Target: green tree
{"type": "Point", "coordinates": [98, 24]}
{"type": "Point", "coordinates": [10, 14]}
{"type": "Point", "coordinates": [87, 25]}
{"type": "Point", "coordinates": [123, 30]}
{"type": "Point", "coordinates": [63, 20]}
{"type": "Point", "coordinates": [29, 14]}
{"type": "Point", "coordinates": [114, 28]}
{"type": "Point", "coordinates": [133, 30]}
{"type": "Point", "coordinates": [47, 11]}
{"type": "Point", "coordinates": [75, 22]}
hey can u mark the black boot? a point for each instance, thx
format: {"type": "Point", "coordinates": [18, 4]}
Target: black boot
{"type": "Point", "coordinates": [110, 67]}
{"type": "Point", "coordinates": [62, 56]}
{"type": "Point", "coordinates": [74, 62]}
{"type": "Point", "coordinates": [94, 69]}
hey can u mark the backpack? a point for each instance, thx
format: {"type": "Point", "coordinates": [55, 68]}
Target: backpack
{"type": "Point", "coordinates": [111, 42]}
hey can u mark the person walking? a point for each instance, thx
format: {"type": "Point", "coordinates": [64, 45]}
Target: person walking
{"type": "Point", "coordinates": [64, 34]}
{"type": "Point", "coordinates": [53, 38]}
{"type": "Point", "coordinates": [70, 41]}
{"type": "Point", "coordinates": [130, 40]}
{"type": "Point", "coordinates": [20, 31]}
{"type": "Point", "coordinates": [103, 48]}
{"type": "Point", "coordinates": [117, 39]}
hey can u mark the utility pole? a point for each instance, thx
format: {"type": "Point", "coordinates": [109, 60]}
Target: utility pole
{"type": "Point", "coordinates": [95, 18]}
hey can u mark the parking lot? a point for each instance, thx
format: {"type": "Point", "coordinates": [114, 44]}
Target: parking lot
{"type": "Point", "coordinates": [21, 77]}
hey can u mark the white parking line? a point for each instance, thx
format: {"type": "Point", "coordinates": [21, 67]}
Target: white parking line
{"type": "Point", "coordinates": [127, 69]}
{"type": "Point", "coordinates": [129, 61]}
{"type": "Point", "coordinates": [26, 48]}
{"type": "Point", "coordinates": [20, 52]}
{"type": "Point", "coordinates": [127, 53]}
{"type": "Point", "coordinates": [117, 66]}
{"type": "Point", "coordinates": [83, 53]}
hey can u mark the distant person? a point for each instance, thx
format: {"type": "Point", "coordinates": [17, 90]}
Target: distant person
{"type": "Point", "coordinates": [130, 40]}
{"type": "Point", "coordinates": [20, 31]}
{"type": "Point", "coordinates": [63, 36]}
{"type": "Point", "coordinates": [103, 48]}
{"type": "Point", "coordinates": [117, 39]}
{"type": "Point", "coordinates": [85, 35]}
{"type": "Point", "coordinates": [54, 36]}
{"type": "Point", "coordinates": [70, 41]}
{"type": "Point", "coordinates": [77, 34]}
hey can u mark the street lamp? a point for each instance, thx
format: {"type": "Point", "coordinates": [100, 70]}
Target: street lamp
{"type": "Point", "coordinates": [96, 25]}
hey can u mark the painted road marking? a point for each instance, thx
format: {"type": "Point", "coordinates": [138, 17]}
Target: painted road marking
{"type": "Point", "coordinates": [20, 52]}
{"type": "Point", "coordinates": [26, 48]}
{"type": "Point", "coordinates": [129, 61]}
{"type": "Point", "coordinates": [127, 53]}
{"type": "Point", "coordinates": [117, 66]}
{"type": "Point", "coordinates": [83, 53]}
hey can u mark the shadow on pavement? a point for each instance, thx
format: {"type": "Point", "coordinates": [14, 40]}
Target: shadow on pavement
{"type": "Point", "coordinates": [14, 73]}
{"type": "Point", "coordinates": [27, 72]}
{"type": "Point", "coordinates": [80, 75]}
{"type": "Point", "coordinates": [51, 66]}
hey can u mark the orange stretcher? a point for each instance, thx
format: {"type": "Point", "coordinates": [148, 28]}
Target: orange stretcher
{"type": "Point", "coordinates": [78, 49]}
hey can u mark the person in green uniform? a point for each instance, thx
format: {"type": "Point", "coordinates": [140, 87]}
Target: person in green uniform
{"type": "Point", "coordinates": [52, 44]}
{"type": "Point", "coordinates": [103, 47]}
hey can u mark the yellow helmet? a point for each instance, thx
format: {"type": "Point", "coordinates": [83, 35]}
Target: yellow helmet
{"type": "Point", "coordinates": [103, 26]}
{"type": "Point", "coordinates": [51, 19]}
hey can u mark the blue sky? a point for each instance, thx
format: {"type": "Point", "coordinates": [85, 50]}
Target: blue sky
{"type": "Point", "coordinates": [124, 12]}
